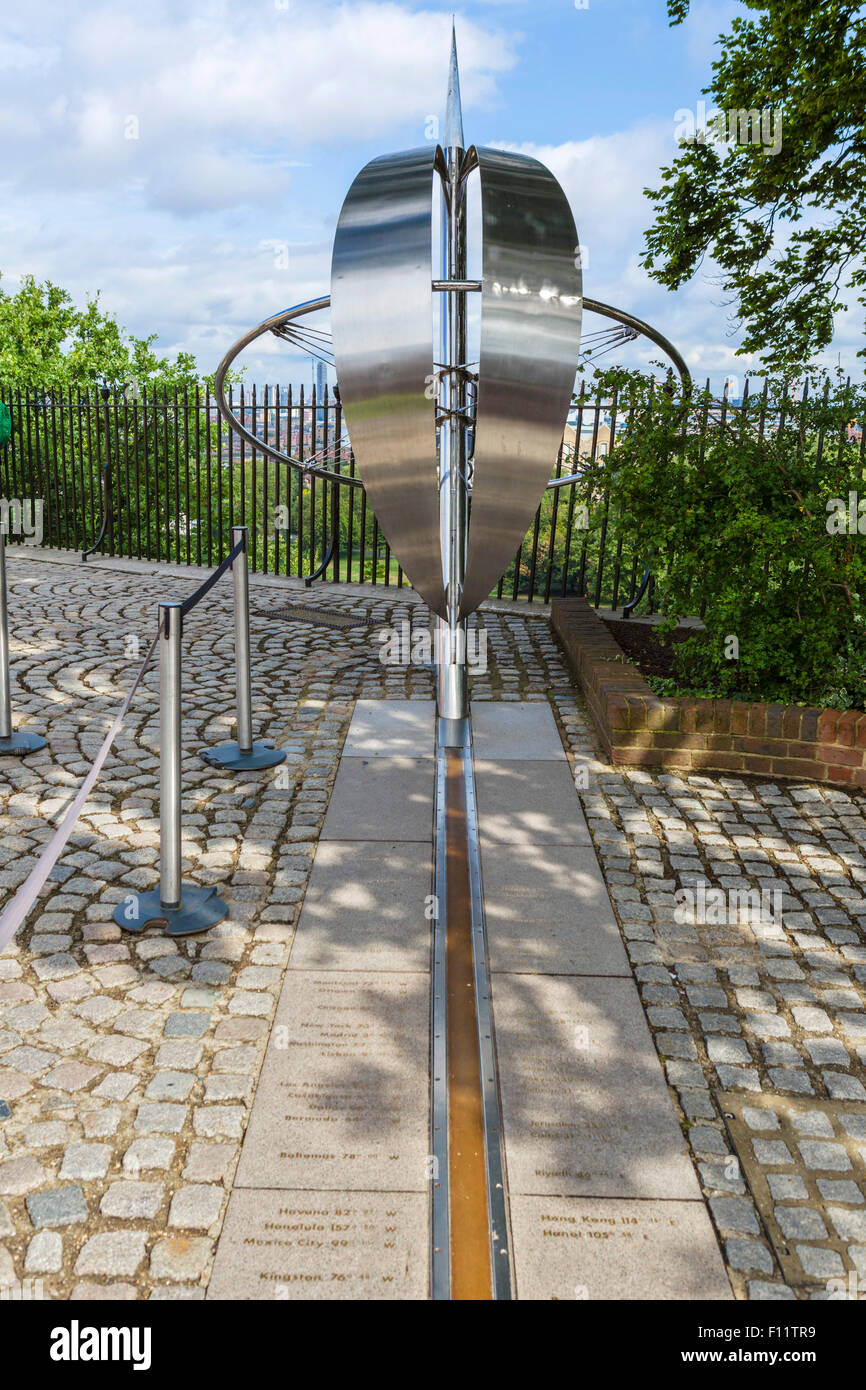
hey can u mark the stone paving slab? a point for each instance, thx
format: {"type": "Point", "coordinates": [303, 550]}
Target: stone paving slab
{"type": "Point", "coordinates": [382, 798]}
{"type": "Point", "coordinates": [776, 1009]}
{"type": "Point", "coordinates": [365, 908]}
{"type": "Point", "coordinates": [322, 1245]}
{"type": "Point", "coordinates": [585, 1108]}
{"type": "Point", "coordinates": [505, 732]}
{"type": "Point", "coordinates": [547, 910]}
{"type": "Point", "coordinates": [342, 1099]}
{"type": "Point", "coordinates": [391, 728]}
{"type": "Point", "coordinates": [528, 802]}
{"type": "Point", "coordinates": [767, 1002]}
{"type": "Point", "coordinates": [587, 1248]}
{"type": "Point", "coordinates": [137, 1059]}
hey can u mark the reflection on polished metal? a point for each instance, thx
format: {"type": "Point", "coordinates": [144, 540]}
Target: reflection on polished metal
{"type": "Point", "coordinates": [497, 1203]}
{"type": "Point", "coordinates": [469, 1221]}
{"type": "Point", "coordinates": [170, 752]}
{"type": "Point", "coordinates": [394, 396]}
{"type": "Point", "coordinates": [278, 322]}
{"type": "Point", "coordinates": [530, 334]}
{"type": "Point", "coordinates": [381, 321]}
{"type": "Point", "coordinates": [486, 432]}
{"type": "Point", "coordinates": [183, 907]}
{"type": "Point", "coordinates": [275, 324]}
{"type": "Point", "coordinates": [455, 456]}
{"type": "Point", "coordinates": [242, 754]}
{"type": "Point", "coordinates": [452, 694]}
{"type": "Point", "coordinates": [11, 742]}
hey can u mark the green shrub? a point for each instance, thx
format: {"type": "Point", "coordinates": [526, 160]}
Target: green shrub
{"type": "Point", "coordinates": [743, 523]}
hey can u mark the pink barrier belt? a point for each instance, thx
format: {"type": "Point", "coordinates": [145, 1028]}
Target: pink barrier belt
{"type": "Point", "coordinates": [16, 911]}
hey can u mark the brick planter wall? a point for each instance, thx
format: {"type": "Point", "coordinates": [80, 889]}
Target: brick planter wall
{"type": "Point", "coordinates": [640, 729]}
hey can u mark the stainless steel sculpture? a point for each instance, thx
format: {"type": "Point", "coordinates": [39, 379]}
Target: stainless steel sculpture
{"type": "Point", "coordinates": [381, 322]}
{"type": "Point", "coordinates": [455, 444]}
{"type": "Point", "coordinates": [381, 318]}
{"type": "Point", "coordinates": [454, 455]}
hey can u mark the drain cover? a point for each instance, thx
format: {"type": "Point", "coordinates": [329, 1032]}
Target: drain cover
{"type": "Point", "coordinates": [805, 1161]}
{"type": "Point", "coordinates": [321, 617]}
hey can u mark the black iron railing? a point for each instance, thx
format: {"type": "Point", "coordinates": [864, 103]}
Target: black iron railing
{"type": "Point", "coordinates": [158, 476]}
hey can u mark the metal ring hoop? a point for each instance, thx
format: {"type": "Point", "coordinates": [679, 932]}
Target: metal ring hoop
{"type": "Point", "coordinates": [277, 321]}
{"type": "Point", "coordinates": [274, 322]}
{"type": "Point", "coordinates": [646, 330]}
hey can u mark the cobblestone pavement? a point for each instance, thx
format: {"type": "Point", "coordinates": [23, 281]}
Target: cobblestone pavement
{"type": "Point", "coordinates": [760, 1023]}
{"type": "Point", "coordinates": [128, 1064]}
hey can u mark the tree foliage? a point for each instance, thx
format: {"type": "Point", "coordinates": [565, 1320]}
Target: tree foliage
{"type": "Point", "coordinates": [786, 227]}
{"type": "Point", "coordinates": [749, 513]}
{"type": "Point", "coordinates": [46, 342]}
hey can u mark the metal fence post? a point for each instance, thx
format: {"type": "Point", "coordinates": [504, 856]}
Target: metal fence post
{"type": "Point", "coordinates": [243, 754]}
{"type": "Point", "coordinates": [183, 907]}
{"type": "Point", "coordinates": [22, 742]}
{"type": "Point", "coordinates": [153, 438]}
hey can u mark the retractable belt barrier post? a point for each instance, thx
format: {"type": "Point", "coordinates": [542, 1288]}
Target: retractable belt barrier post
{"type": "Point", "coordinates": [184, 907]}
{"type": "Point", "coordinates": [242, 754]}
{"type": "Point", "coordinates": [21, 742]}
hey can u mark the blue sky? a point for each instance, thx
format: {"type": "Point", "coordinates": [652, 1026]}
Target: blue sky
{"type": "Point", "coordinates": [189, 159]}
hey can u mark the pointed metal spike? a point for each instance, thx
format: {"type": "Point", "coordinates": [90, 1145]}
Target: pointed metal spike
{"type": "Point", "coordinates": [453, 111]}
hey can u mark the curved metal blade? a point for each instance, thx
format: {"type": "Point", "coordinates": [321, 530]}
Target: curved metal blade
{"type": "Point", "coordinates": [530, 338]}
{"type": "Point", "coordinates": [382, 326]}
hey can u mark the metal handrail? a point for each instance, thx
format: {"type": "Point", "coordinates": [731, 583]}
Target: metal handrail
{"type": "Point", "coordinates": [107, 510]}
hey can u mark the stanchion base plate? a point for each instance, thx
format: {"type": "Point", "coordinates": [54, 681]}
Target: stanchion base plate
{"type": "Point", "coordinates": [20, 743]}
{"type": "Point", "coordinates": [229, 755]}
{"type": "Point", "coordinates": [199, 909]}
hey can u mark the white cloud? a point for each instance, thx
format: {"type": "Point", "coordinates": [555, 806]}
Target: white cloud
{"type": "Point", "coordinates": [173, 227]}
{"type": "Point", "coordinates": [209, 84]}
{"type": "Point", "coordinates": [604, 178]}
{"type": "Point", "coordinates": [227, 99]}
{"type": "Point", "coordinates": [18, 55]}
{"type": "Point", "coordinates": [708, 19]}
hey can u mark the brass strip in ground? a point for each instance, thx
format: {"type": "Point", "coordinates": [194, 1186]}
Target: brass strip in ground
{"type": "Point", "coordinates": [471, 1277]}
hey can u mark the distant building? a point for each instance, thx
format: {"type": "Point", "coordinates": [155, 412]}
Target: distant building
{"type": "Point", "coordinates": [319, 377]}
{"type": "Point", "coordinates": [588, 434]}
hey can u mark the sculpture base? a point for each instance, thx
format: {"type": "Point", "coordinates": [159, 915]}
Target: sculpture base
{"type": "Point", "coordinates": [453, 733]}
{"type": "Point", "coordinates": [21, 743]}
{"type": "Point", "coordinates": [198, 910]}
{"type": "Point", "coordinates": [230, 755]}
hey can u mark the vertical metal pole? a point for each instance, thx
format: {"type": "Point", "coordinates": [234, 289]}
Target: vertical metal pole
{"type": "Point", "coordinates": [452, 686]}
{"type": "Point", "coordinates": [240, 580]}
{"type": "Point", "coordinates": [5, 697]}
{"type": "Point", "coordinates": [171, 624]}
